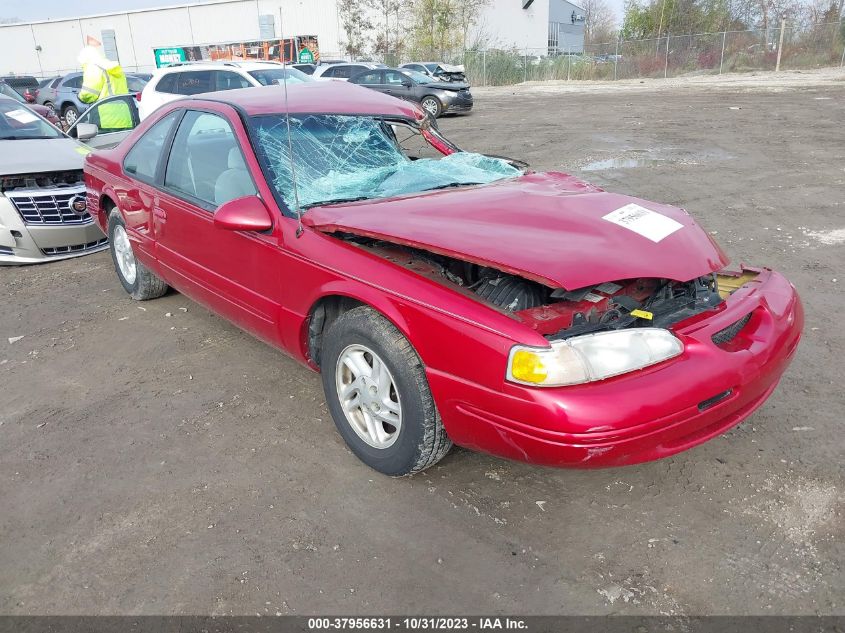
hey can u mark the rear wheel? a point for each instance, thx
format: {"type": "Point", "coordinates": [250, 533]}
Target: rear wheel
{"type": "Point", "coordinates": [378, 395]}
{"type": "Point", "coordinates": [50, 107]}
{"type": "Point", "coordinates": [141, 283]}
{"type": "Point", "coordinates": [432, 105]}
{"type": "Point", "coordinates": [70, 114]}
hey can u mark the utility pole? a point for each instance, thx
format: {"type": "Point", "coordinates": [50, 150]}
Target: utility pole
{"type": "Point", "coordinates": [780, 43]}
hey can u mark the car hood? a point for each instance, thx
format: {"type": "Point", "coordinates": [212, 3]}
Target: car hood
{"type": "Point", "coordinates": [40, 155]}
{"type": "Point", "coordinates": [548, 227]}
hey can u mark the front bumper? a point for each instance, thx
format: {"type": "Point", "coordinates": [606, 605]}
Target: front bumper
{"type": "Point", "coordinates": [22, 243]}
{"type": "Point", "coordinates": [646, 415]}
{"type": "Point", "coordinates": [460, 102]}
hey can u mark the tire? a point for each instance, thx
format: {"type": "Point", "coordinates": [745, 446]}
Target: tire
{"type": "Point", "coordinates": [70, 114]}
{"type": "Point", "coordinates": [432, 105]}
{"type": "Point", "coordinates": [50, 106]}
{"type": "Point", "coordinates": [418, 440]}
{"type": "Point", "coordinates": [141, 283]}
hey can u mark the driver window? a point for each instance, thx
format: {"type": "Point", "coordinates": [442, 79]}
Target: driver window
{"type": "Point", "coordinates": [206, 162]}
{"type": "Point", "coordinates": [392, 77]}
{"type": "Point", "coordinates": [114, 115]}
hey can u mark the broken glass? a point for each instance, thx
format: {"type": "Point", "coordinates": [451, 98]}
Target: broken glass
{"type": "Point", "coordinates": [341, 157]}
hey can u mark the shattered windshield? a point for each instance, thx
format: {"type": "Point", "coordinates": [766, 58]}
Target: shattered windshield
{"type": "Point", "coordinates": [340, 158]}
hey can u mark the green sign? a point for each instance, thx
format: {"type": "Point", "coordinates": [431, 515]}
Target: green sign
{"type": "Point", "coordinates": [306, 56]}
{"type": "Point", "coordinates": [167, 56]}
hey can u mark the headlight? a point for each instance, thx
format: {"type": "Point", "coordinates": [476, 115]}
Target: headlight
{"type": "Point", "coordinates": [591, 357]}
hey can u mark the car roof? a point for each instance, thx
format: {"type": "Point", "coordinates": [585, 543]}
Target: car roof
{"type": "Point", "coordinates": [221, 65]}
{"type": "Point", "coordinates": [318, 97]}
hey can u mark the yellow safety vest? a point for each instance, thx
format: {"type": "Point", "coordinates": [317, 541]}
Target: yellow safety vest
{"type": "Point", "coordinates": [102, 79]}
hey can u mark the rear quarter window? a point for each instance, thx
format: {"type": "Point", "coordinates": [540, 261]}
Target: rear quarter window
{"type": "Point", "coordinates": [72, 82]}
{"type": "Point", "coordinates": [167, 83]}
{"type": "Point", "coordinates": [143, 159]}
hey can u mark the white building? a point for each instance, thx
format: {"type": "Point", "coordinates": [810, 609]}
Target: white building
{"type": "Point", "coordinates": [50, 47]}
{"type": "Point", "coordinates": [539, 26]}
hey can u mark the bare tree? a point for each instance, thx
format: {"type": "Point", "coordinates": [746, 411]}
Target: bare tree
{"type": "Point", "coordinates": [599, 21]}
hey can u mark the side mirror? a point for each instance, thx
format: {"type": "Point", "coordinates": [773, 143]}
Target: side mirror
{"type": "Point", "coordinates": [407, 83]}
{"type": "Point", "coordinates": [86, 131]}
{"type": "Point", "coordinates": [248, 213]}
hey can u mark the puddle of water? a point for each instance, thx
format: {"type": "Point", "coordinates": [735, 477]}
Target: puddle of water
{"type": "Point", "coordinates": [621, 163]}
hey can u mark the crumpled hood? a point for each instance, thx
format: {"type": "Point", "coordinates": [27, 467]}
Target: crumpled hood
{"type": "Point", "coordinates": [40, 155]}
{"type": "Point", "coordinates": [549, 227]}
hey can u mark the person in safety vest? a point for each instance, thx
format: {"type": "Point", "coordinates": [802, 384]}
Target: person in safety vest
{"type": "Point", "coordinates": [102, 78]}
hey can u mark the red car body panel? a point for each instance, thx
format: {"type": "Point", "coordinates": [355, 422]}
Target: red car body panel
{"type": "Point", "coordinates": [559, 240]}
{"type": "Point", "coordinates": [269, 283]}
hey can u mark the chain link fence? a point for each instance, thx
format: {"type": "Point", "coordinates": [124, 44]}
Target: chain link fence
{"type": "Point", "coordinates": [817, 46]}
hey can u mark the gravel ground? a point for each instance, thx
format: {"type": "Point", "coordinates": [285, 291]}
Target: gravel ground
{"type": "Point", "coordinates": [156, 460]}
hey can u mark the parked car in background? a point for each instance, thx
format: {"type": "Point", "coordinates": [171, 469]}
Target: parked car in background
{"type": "Point", "coordinates": [43, 208]}
{"type": "Point", "coordinates": [585, 328]}
{"type": "Point", "coordinates": [93, 130]}
{"type": "Point", "coordinates": [25, 85]}
{"type": "Point", "coordinates": [179, 80]}
{"type": "Point", "coordinates": [437, 70]}
{"type": "Point", "coordinates": [342, 71]}
{"type": "Point", "coordinates": [63, 96]}
{"type": "Point", "coordinates": [437, 97]}
{"type": "Point", "coordinates": [47, 92]}
{"type": "Point", "coordinates": [308, 69]}
{"type": "Point", "coordinates": [7, 92]}
{"type": "Point", "coordinates": [43, 83]}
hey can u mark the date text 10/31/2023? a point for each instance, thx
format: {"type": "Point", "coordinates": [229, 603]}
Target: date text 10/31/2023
{"type": "Point", "coordinates": [419, 623]}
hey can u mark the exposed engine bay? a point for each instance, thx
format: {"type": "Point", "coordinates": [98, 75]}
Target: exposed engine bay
{"type": "Point", "coordinates": [558, 313]}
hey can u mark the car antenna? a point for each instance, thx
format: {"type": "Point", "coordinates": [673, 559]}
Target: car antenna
{"type": "Point", "coordinates": [297, 208]}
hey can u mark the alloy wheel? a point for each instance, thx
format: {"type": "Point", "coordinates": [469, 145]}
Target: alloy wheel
{"type": "Point", "coordinates": [368, 396]}
{"type": "Point", "coordinates": [123, 254]}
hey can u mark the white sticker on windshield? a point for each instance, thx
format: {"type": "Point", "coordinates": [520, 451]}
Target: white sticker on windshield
{"type": "Point", "coordinates": [22, 116]}
{"type": "Point", "coordinates": [650, 224]}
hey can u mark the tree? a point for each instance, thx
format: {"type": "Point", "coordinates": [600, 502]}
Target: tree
{"type": "Point", "coordinates": [391, 28]}
{"type": "Point", "coordinates": [599, 22]}
{"type": "Point", "coordinates": [441, 27]}
{"type": "Point", "coordinates": [356, 24]}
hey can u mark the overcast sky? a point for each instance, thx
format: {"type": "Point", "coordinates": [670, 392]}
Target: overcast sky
{"type": "Point", "coordinates": [43, 9]}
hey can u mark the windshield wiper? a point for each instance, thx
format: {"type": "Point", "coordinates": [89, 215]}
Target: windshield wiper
{"type": "Point", "coordinates": [323, 203]}
{"type": "Point", "coordinates": [452, 184]}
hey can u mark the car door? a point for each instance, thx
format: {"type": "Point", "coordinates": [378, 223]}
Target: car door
{"type": "Point", "coordinates": [396, 84]}
{"type": "Point", "coordinates": [68, 91]}
{"type": "Point", "coordinates": [235, 273]}
{"type": "Point", "coordinates": [108, 137]}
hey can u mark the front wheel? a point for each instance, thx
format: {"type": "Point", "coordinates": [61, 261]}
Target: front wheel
{"type": "Point", "coordinates": [141, 283]}
{"type": "Point", "coordinates": [432, 105]}
{"type": "Point", "coordinates": [378, 395]}
{"type": "Point", "coordinates": [70, 114]}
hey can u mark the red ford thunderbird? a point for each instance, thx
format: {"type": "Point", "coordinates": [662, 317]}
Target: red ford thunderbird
{"type": "Point", "coordinates": [445, 296]}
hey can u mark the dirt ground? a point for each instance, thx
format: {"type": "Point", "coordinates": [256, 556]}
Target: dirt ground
{"type": "Point", "coordinates": [156, 460]}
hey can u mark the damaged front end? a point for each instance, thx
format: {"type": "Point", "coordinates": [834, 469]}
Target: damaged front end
{"type": "Point", "coordinates": [558, 313]}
